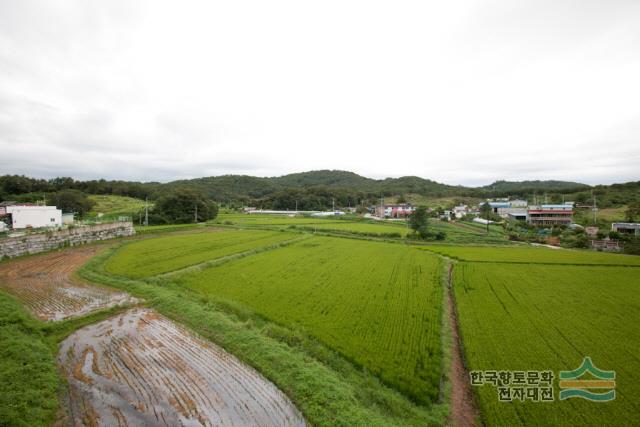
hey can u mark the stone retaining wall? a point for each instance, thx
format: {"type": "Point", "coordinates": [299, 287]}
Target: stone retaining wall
{"type": "Point", "coordinates": [41, 242]}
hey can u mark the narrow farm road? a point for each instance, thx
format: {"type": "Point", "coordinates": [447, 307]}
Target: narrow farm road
{"type": "Point", "coordinates": [139, 368]}
{"type": "Point", "coordinates": [464, 411]}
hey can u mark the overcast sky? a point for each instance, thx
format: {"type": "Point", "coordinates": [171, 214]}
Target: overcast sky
{"type": "Point", "coordinates": [462, 92]}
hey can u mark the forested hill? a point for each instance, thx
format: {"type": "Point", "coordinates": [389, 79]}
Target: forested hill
{"type": "Point", "coordinates": [317, 189]}
{"type": "Point", "coordinates": [232, 186]}
{"type": "Point", "coordinates": [528, 186]}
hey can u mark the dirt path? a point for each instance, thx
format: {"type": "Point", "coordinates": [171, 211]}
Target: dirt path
{"type": "Point", "coordinates": [45, 285]}
{"type": "Point", "coordinates": [464, 411]}
{"type": "Point", "coordinates": [139, 368]}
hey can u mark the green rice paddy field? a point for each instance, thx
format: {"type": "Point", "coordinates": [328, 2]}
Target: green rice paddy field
{"type": "Point", "coordinates": [548, 317]}
{"type": "Point", "coordinates": [160, 255]}
{"type": "Point", "coordinates": [528, 254]}
{"type": "Point", "coordinates": [379, 305]}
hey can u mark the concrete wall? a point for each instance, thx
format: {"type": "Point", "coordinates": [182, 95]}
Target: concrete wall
{"type": "Point", "coordinates": [33, 243]}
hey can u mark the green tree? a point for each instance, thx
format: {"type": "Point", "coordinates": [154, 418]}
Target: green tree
{"type": "Point", "coordinates": [71, 201]}
{"type": "Point", "coordinates": [486, 211]}
{"type": "Point", "coordinates": [179, 207]}
{"type": "Point", "coordinates": [419, 221]}
{"type": "Point", "coordinates": [633, 212]}
{"type": "Point", "coordinates": [361, 210]}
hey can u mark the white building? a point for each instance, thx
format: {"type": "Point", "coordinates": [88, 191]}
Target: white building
{"type": "Point", "coordinates": [329, 213]}
{"type": "Point", "coordinates": [34, 216]}
{"type": "Point", "coordinates": [460, 211]}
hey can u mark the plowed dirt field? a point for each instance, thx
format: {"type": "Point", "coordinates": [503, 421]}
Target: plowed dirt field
{"type": "Point", "coordinates": [139, 368]}
{"type": "Point", "coordinates": [45, 285]}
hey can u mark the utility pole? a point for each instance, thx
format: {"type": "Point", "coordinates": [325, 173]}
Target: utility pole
{"type": "Point", "coordinates": [595, 209]}
{"type": "Point", "coordinates": [196, 214]}
{"type": "Point", "coordinates": [487, 218]}
{"type": "Point", "coordinates": [296, 206]}
{"type": "Point", "coordinates": [146, 211]}
{"type": "Point", "coordinates": [333, 204]}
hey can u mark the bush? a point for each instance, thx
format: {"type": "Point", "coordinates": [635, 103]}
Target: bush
{"type": "Point", "coordinates": [632, 247]}
{"type": "Point", "coordinates": [614, 235]}
{"type": "Point", "coordinates": [428, 236]}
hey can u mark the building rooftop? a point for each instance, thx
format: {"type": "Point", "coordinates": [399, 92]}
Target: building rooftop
{"type": "Point", "coordinates": [626, 224]}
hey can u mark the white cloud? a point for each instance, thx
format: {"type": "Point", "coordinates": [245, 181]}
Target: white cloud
{"type": "Point", "coordinates": [460, 92]}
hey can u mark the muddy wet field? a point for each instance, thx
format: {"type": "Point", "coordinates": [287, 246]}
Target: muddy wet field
{"type": "Point", "coordinates": [139, 368]}
{"type": "Point", "coordinates": [47, 288]}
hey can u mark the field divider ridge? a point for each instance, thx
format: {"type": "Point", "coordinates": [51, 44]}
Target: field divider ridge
{"type": "Point", "coordinates": [486, 261]}
{"type": "Point", "coordinates": [464, 409]}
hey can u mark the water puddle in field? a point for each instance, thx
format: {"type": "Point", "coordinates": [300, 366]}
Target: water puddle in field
{"type": "Point", "coordinates": [139, 368]}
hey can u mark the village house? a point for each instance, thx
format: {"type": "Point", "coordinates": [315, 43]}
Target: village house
{"type": "Point", "coordinates": [460, 211]}
{"type": "Point", "coordinates": [544, 215]}
{"type": "Point", "coordinates": [401, 210]}
{"type": "Point", "coordinates": [626, 228]}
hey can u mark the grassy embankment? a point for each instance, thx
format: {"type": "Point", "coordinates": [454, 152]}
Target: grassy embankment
{"type": "Point", "coordinates": [29, 377]}
{"type": "Point", "coordinates": [112, 207]}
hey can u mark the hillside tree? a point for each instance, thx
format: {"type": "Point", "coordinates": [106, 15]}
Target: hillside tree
{"type": "Point", "coordinates": [419, 221]}
{"type": "Point", "coordinates": [71, 201]}
{"type": "Point", "coordinates": [180, 205]}
{"type": "Point", "coordinates": [633, 212]}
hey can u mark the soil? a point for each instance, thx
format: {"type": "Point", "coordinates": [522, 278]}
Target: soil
{"type": "Point", "coordinates": [46, 285]}
{"type": "Point", "coordinates": [464, 410]}
{"type": "Point", "coordinates": [140, 368]}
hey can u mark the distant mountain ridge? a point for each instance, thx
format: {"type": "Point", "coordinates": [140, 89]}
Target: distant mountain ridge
{"type": "Point", "coordinates": [226, 186]}
{"type": "Point", "coordinates": [257, 187]}
{"type": "Point", "coordinates": [320, 188]}
{"type": "Point", "coordinates": [548, 185]}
